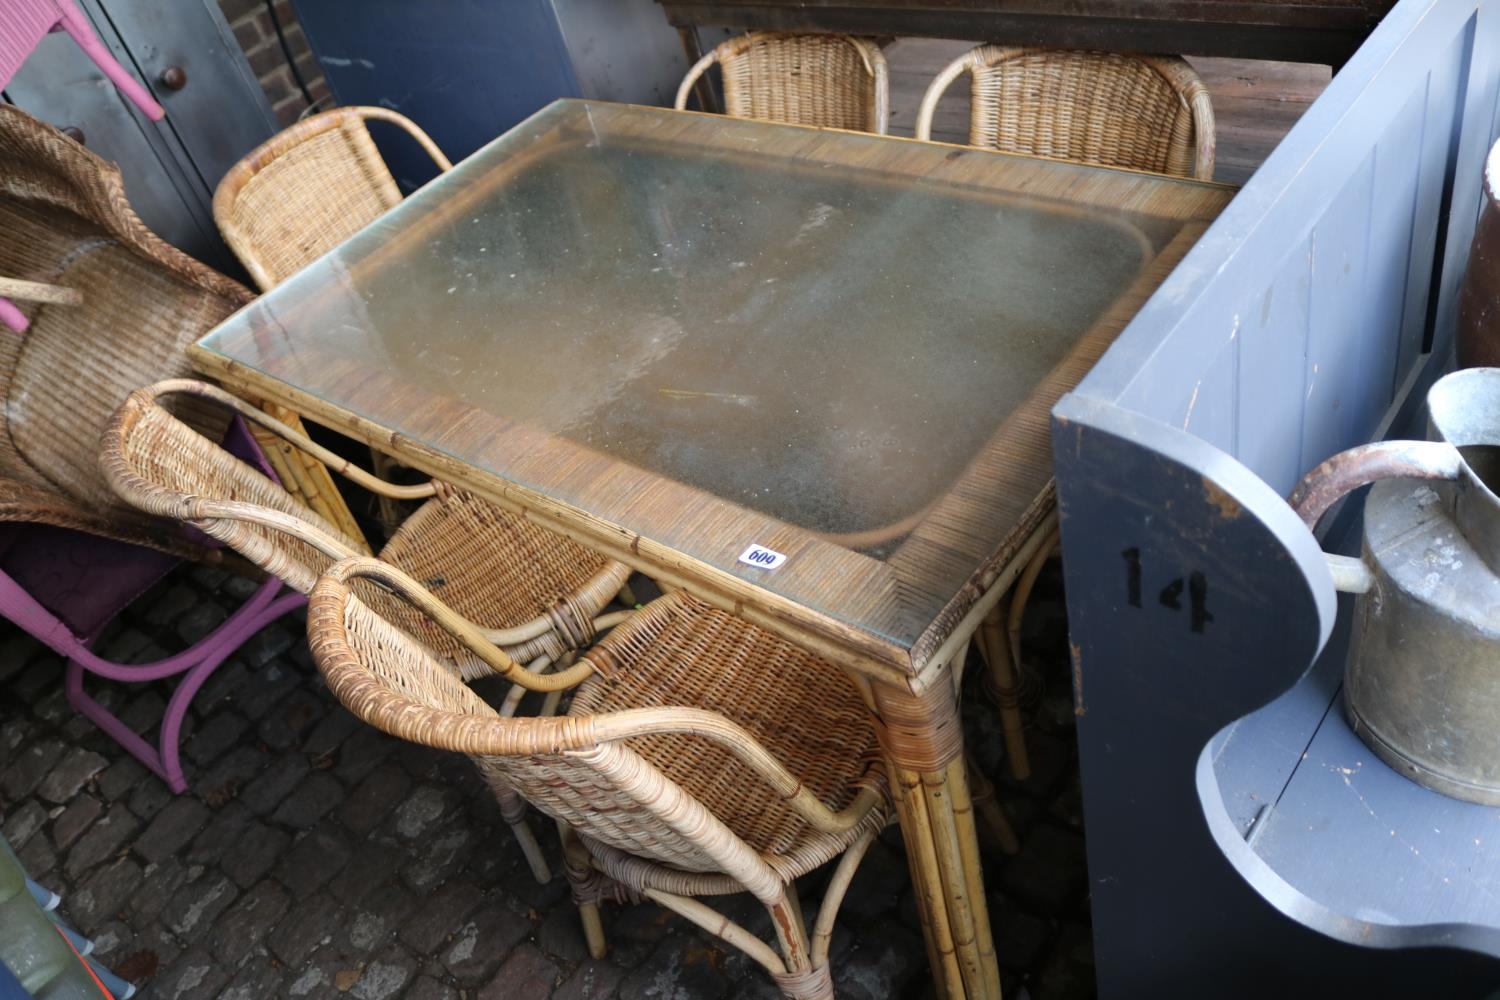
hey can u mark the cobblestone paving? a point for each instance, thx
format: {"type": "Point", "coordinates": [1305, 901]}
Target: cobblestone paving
{"type": "Point", "coordinates": [315, 857]}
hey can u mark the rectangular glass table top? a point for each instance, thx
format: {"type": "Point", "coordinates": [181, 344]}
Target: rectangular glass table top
{"type": "Point", "coordinates": [715, 333]}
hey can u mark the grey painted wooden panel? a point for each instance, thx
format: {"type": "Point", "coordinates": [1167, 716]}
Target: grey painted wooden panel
{"type": "Point", "coordinates": [1358, 188]}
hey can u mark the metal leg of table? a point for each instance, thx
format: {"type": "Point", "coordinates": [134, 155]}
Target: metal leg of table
{"type": "Point", "coordinates": [923, 746]}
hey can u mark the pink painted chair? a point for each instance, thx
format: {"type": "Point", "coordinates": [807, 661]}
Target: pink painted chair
{"type": "Point", "coordinates": [72, 554]}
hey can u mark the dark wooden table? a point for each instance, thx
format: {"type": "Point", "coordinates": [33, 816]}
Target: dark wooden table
{"type": "Point", "coordinates": [1316, 31]}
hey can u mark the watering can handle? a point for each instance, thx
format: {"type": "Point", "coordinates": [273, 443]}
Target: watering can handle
{"type": "Point", "coordinates": [1349, 470]}
{"type": "Point", "coordinates": [1324, 486]}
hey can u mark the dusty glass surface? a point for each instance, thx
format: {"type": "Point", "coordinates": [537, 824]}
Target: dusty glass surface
{"type": "Point", "coordinates": [826, 341]}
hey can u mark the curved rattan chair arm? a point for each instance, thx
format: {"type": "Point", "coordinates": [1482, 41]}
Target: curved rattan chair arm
{"type": "Point", "coordinates": [879, 69]}
{"type": "Point", "coordinates": [499, 736]}
{"type": "Point", "coordinates": [699, 68]}
{"type": "Point", "coordinates": [1194, 93]}
{"type": "Point", "coordinates": [334, 586]}
{"type": "Point", "coordinates": [335, 463]}
{"type": "Point", "coordinates": [938, 87]}
{"type": "Point", "coordinates": [410, 127]}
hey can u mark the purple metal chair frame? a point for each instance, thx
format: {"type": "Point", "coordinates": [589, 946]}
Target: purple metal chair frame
{"type": "Point", "coordinates": [79, 615]}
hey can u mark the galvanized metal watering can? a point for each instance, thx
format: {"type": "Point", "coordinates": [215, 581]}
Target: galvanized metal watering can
{"type": "Point", "coordinates": [1422, 682]}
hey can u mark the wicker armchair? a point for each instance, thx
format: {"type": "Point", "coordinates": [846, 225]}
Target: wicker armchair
{"type": "Point", "coordinates": [308, 189]}
{"type": "Point", "coordinates": [538, 595]}
{"type": "Point", "coordinates": [1143, 112]}
{"type": "Point", "coordinates": [831, 81]}
{"type": "Point", "coordinates": [100, 305]}
{"type": "Point", "coordinates": [701, 756]}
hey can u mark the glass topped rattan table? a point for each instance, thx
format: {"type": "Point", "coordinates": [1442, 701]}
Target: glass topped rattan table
{"type": "Point", "coordinates": [804, 374]}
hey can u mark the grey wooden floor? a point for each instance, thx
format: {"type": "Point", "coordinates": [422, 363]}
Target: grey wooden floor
{"type": "Point", "coordinates": [1255, 102]}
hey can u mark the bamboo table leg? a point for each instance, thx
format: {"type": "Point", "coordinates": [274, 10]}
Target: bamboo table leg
{"type": "Point", "coordinates": [923, 745]}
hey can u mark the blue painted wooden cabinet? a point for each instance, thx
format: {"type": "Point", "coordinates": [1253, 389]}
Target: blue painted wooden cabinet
{"type": "Point", "coordinates": [1240, 837]}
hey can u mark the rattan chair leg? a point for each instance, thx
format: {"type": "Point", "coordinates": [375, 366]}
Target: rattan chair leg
{"type": "Point", "coordinates": [833, 896]}
{"type": "Point", "coordinates": [993, 824]}
{"type": "Point", "coordinates": [1006, 683]}
{"type": "Point", "coordinates": [581, 874]}
{"type": "Point", "coordinates": [627, 597]}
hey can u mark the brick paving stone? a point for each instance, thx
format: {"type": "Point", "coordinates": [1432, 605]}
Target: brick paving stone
{"type": "Point", "coordinates": [418, 760]}
{"type": "Point", "coordinates": [244, 926]}
{"type": "Point", "coordinates": [52, 707]}
{"type": "Point", "coordinates": [309, 801]}
{"type": "Point", "coordinates": [439, 858]}
{"type": "Point", "coordinates": [269, 643]}
{"type": "Point", "coordinates": [125, 645]}
{"type": "Point", "coordinates": [266, 790]}
{"type": "Point", "coordinates": [239, 588]}
{"type": "Point", "coordinates": [192, 912]}
{"type": "Point", "coordinates": [675, 973]}
{"type": "Point", "coordinates": [68, 775]}
{"type": "Point", "coordinates": [103, 893]}
{"type": "Point", "coordinates": [282, 727]}
{"type": "Point", "coordinates": [38, 858]}
{"type": "Point", "coordinates": [269, 685]}
{"type": "Point", "coordinates": [482, 943]}
{"type": "Point", "coordinates": [1050, 872]}
{"type": "Point", "coordinates": [74, 820]}
{"type": "Point", "coordinates": [361, 752]}
{"type": "Point", "coordinates": [220, 688]}
{"type": "Point", "coordinates": [22, 822]}
{"type": "Point", "coordinates": [159, 885]}
{"type": "Point", "coordinates": [328, 735]}
{"type": "Point", "coordinates": [439, 916]}
{"type": "Point", "coordinates": [120, 778]}
{"type": "Point", "coordinates": [150, 797]}
{"type": "Point", "coordinates": [421, 811]}
{"type": "Point", "coordinates": [170, 605]}
{"type": "Point", "coordinates": [375, 920]}
{"type": "Point", "coordinates": [221, 732]}
{"type": "Point", "coordinates": [143, 712]}
{"type": "Point", "coordinates": [108, 834]}
{"type": "Point", "coordinates": [428, 988]}
{"type": "Point", "coordinates": [526, 973]}
{"type": "Point", "coordinates": [316, 976]}
{"type": "Point", "coordinates": [595, 979]}
{"type": "Point", "coordinates": [372, 863]}
{"type": "Point", "coordinates": [1067, 807]}
{"type": "Point", "coordinates": [1069, 971]}
{"type": "Point", "coordinates": [13, 733]}
{"type": "Point", "coordinates": [208, 578]}
{"type": "Point", "coordinates": [170, 830]}
{"type": "Point", "coordinates": [109, 937]}
{"type": "Point", "coordinates": [253, 854]}
{"type": "Point", "coordinates": [192, 976]}
{"type": "Point", "coordinates": [35, 679]}
{"type": "Point", "coordinates": [151, 949]}
{"type": "Point", "coordinates": [877, 885]}
{"type": "Point", "coordinates": [24, 771]}
{"type": "Point", "coordinates": [374, 798]}
{"type": "Point", "coordinates": [15, 652]}
{"type": "Point", "coordinates": [882, 963]}
{"type": "Point", "coordinates": [313, 859]}
{"type": "Point", "coordinates": [216, 838]}
{"type": "Point", "coordinates": [561, 935]}
{"type": "Point", "coordinates": [1020, 938]}
{"type": "Point", "coordinates": [258, 980]}
{"type": "Point", "coordinates": [201, 620]}
{"type": "Point", "coordinates": [230, 774]}
{"type": "Point", "coordinates": [305, 928]}
{"type": "Point", "coordinates": [386, 976]}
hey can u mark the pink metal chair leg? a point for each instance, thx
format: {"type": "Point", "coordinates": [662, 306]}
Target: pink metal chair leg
{"type": "Point", "coordinates": [197, 662]}
{"type": "Point", "coordinates": [77, 26]}
{"type": "Point", "coordinates": [13, 317]}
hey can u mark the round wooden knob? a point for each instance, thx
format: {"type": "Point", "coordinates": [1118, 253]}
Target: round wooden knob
{"type": "Point", "coordinates": [173, 78]}
{"type": "Point", "coordinates": [73, 132]}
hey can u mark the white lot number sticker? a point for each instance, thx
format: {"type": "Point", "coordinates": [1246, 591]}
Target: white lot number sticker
{"type": "Point", "coordinates": [761, 557]}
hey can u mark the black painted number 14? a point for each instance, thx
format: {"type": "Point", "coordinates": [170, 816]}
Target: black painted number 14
{"type": "Point", "coordinates": [1171, 595]}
